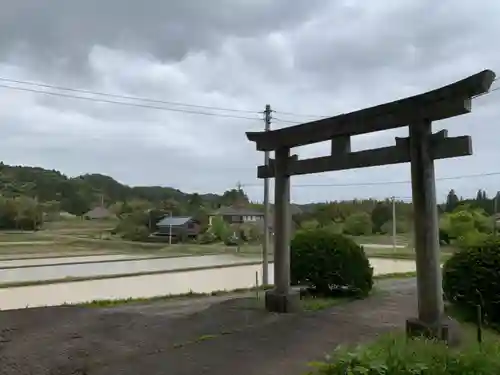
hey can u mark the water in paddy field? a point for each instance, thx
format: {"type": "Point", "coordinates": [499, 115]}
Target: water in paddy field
{"type": "Point", "coordinates": [62, 260]}
{"type": "Point", "coordinates": [60, 271]}
{"type": "Point", "coordinates": [202, 281]}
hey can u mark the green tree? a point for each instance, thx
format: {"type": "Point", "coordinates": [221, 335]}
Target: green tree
{"type": "Point", "coordinates": [401, 227]}
{"type": "Point", "coordinates": [358, 224]}
{"type": "Point", "coordinates": [309, 224]}
{"type": "Point", "coordinates": [380, 215]}
{"type": "Point", "coordinates": [220, 228]}
{"type": "Point", "coordinates": [452, 201]}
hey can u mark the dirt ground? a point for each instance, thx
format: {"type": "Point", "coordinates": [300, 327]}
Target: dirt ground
{"type": "Point", "coordinates": [191, 337]}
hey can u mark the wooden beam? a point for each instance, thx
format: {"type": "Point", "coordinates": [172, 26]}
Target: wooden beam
{"type": "Point", "coordinates": [405, 141]}
{"type": "Point", "coordinates": [443, 148]}
{"type": "Point", "coordinates": [291, 158]}
{"type": "Point", "coordinates": [341, 145]}
{"type": "Point", "coordinates": [445, 102]}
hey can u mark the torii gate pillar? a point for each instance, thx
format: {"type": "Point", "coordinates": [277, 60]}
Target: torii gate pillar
{"type": "Point", "coordinates": [431, 319]}
{"type": "Point", "coordinates": [282, 299]}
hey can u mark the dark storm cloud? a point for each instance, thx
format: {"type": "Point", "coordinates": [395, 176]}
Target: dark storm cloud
{"type": "Point", "coordinates": [317, 57]}
{"type": "Point", "coordinates": [62, 32]}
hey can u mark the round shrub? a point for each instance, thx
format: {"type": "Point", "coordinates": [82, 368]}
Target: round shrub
{"type": "Point", "coordinates": [471, 277]}
{"type": "Point", "coordinates": [328, 263]}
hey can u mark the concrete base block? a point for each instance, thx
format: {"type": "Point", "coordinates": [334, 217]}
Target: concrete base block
{"type": "Point", "coordinates": [283, 303]}
{"type": "Point", "coordinates": [448, 330]}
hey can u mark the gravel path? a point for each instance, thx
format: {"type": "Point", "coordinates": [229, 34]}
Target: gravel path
{"type": "Point", "coordinates": [218, 335]}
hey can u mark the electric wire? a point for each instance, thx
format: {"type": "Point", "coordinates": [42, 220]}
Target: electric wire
{"type": "Point", "coordinates": [379, 183]}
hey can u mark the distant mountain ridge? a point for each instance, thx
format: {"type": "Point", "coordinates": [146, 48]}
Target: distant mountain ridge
{"type": "Point", "coordinates": [77, 194]}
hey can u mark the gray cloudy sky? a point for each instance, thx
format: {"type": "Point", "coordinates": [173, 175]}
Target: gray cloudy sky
{"type": "Point", "coordinates": [312, 57]}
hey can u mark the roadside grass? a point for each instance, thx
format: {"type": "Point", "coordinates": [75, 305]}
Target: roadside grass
{"type": "Point", "coordinates": [395, 354]}
{"type": "Point", "coordinates": [167, 297]}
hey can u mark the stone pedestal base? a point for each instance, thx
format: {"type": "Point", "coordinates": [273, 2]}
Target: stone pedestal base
{"type": "Point", "coordinates": [448, 330]}
{"type": "Point", "coordinates": [283, 303]}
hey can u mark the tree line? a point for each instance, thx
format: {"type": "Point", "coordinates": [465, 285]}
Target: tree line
{"type": "Point", "coordinates": [30, 194]}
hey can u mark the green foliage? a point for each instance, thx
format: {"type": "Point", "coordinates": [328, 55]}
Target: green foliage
{"type": "Point", "coordinates": [401, 227]}
{"type": "Point", "coordinates": [80, 194]}
{"type": "Point", "coordinates": [310, 224]}
{"type": "Point", "coordinates": [207, 238]}
{"type": "Point", "coordinates": [220, 228]}
{"type": "Point", "coordinates": [250, 232]}
{"type": "Point", "coordinates": [328, 263]}
{"type": "Point", "coordinates": [394, 355]}
{"type": "Point", "coordinates": [471, 277]}
{"type": "Point", "coordinates": [333, 227]}
{"type": "Point", "coordinates": [20, 213]}
{"type": "Point", "coordinates": [232, 240]}
{"type": "Point", "coordinates": [133, 227]}
{"type": "Point", "coordinates": [444, 238]}
{"type": "Point", "coordinates": [466, 223]}
{"type": "Point", "coordinates": [358, 224]}
{"type": "Point", "coordinates": [380, 215]}
{"type": "Point", "coordinates": [136, 233]}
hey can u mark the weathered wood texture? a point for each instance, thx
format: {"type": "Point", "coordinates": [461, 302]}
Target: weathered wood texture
{"type": "Point", "coordinates": [442, 148]}
{"type": "Point", "coordinates": [430, 299]}
{"type": "Point", "coordinates": [282, 223]}
{"type": "Point", "coordinates": [445, 102]}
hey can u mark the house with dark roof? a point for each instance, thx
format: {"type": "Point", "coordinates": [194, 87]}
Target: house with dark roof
{"type": "Point", "coordinates": [99, 213]}
{"type": "Point", "coordinates": [236, 215]}
{"type": "Point", "coordinates": [241, 215]}
{"type": "Point", "coordinates": [178, 227]}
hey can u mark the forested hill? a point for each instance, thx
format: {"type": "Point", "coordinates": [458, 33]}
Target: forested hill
{"type": "Point", "coordinates": [78, 194]}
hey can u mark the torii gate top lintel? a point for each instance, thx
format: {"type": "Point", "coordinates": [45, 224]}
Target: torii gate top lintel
{"type": "Point", "coordinates": [448, 101]}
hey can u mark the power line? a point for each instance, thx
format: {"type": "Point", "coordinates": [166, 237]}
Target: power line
{"type": "Point", "coordinates": [100, 93]}
{"type": "Point", "coordinates": [287, 121]}
{"type": "Point", "coordinates": [128, 104]}
{"type": "Point", "coordinates": [378, 183]}
{"type": "Point", "coordinates": [300, 115]}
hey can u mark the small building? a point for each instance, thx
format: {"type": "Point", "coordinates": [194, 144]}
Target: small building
{"type": "Point", "coordinates": [99, 213]}
{"type": "Point", "coordinates": [236, 215]}
{"type": "Point", "coordinates": [178, 227]}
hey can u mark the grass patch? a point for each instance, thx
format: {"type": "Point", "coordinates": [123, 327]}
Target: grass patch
{"type": "Point", "coordinates": [396, 275]}
{"type": "Point", "coordinates": [191, 294]}
{"type": "Point", "coordinates": [406, 254]}
{"type": "Point", "coordinates": [322, 303]}
{"type": "Point", "coordinates": [394, 354]}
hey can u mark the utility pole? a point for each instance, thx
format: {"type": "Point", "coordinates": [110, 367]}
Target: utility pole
{"type": "Point", "coordinates": [265, 243]}
{"type": "Point", "coordinates": [394, 224]}
{"type": "Point", "coordinates": [37, 212]}
{"type": "Point", "coordinates": [170, 230]}
{"type": "Point", "coordinates": [239, 204]}
{"type": "Point", "coordinates": [495, 212]}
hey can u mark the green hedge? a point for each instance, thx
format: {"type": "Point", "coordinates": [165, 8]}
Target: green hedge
{"type": "Point", "coordinates": [471, 277]}
{"type": "Point", "coordinates": [329, 263]}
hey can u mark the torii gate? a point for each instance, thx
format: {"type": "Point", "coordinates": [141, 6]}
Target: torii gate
{"type": "Point", "coordinates": [421, 148]}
